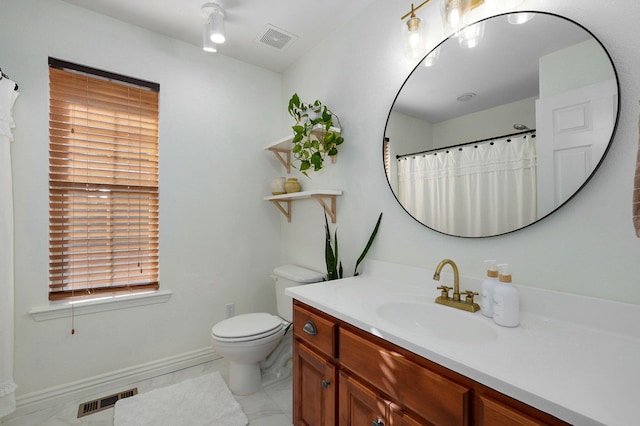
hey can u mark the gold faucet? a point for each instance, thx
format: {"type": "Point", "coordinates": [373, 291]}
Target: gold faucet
{"type": "Point", "coordinates": [468, 304]}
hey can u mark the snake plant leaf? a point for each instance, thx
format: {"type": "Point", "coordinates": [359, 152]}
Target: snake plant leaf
{"type": "Point", "coordinates": [329, 256]}
{"type": "Point", "coordinates": [335, 250]}
{"type": "Point", "coordinates": [368, 246]}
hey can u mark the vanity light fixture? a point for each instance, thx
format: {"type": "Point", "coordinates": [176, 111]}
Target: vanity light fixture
{"type": "Point", "coordinates": [214, 26]}
{"type": "Point", "coordinates": [412, 33]}
{"type": "Point", "coordinates": [454, 13]}
{"type": "Point", "coordinates": [469, 37]}
{"type": "Point", "coordinates": [520, 17]}
{"type": "Point", "coordinates": [453, 16]}
{"type": "Point", "coordinates": [431, 59]}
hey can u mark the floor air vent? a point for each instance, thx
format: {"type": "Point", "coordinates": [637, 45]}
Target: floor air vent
{"type": "Point", "coordinates": [100, 404]}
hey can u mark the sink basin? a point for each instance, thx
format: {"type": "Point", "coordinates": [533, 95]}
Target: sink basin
{"type": "Point", "coordinates": [437, 321]}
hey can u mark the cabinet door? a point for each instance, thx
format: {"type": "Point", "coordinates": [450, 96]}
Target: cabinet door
{"type": "Point", "coordinates": [314, 388]}
{"type": "Point", "coordinates": [359, 405]}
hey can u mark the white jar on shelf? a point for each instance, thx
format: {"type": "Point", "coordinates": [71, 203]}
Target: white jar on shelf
{"type": "Point", "coordinates": [277, 186]}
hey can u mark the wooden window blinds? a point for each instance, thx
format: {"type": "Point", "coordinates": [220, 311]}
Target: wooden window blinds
{"type": "Point", "coordinates": [103, 183]}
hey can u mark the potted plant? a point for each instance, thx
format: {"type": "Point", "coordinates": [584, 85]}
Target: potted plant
{"type": "Point", "coordinates": [334, 265]}
{"type": "Point", "coordinates": [316, 134]}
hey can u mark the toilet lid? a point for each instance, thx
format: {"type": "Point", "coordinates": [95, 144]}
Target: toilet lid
{"type": "Point", "coordinates": [247, 326]}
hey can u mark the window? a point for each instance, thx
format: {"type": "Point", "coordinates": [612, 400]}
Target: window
{"type": "Point", "coordinates": [103, 183]}
{"type": "Point", "coordinates": [386, 155]}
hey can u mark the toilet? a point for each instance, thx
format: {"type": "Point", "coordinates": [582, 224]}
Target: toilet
{"type": "Point", "coordinates": [253, 343]}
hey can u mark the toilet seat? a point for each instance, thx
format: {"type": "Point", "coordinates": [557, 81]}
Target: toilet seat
{"type": "Point", "coordinates": [247, 327]}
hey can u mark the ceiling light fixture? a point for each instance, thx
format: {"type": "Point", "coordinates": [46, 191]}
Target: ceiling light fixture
{"type": "Point", "coordinates": [466, 97]}
{"type": "Point", "coordinates": [207, 44]}
{"type": "Point", "coordinates": [214, 25]}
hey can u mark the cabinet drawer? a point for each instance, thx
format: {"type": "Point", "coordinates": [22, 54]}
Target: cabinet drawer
{"type": "Point", "coordinates": [430, 395]}
{"type": "Point", "coordinates": [316, 330]}
{"type": "Point", "coordinates": [496, 413]}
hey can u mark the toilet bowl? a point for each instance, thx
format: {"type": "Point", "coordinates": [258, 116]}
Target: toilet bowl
{"type": "Point", "coordinates": [252, 342]}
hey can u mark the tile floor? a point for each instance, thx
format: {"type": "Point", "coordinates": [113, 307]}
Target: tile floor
{"type": "Point", "coordinates": [271, 406]}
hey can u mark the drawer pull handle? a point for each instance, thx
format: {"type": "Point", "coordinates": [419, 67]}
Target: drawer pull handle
{"type": "Point", "coordinates": [377, 423]}
{"type": "Point", "coordinates": [325, 384]}
{"type": "Point", "coordinates": [310, 328]}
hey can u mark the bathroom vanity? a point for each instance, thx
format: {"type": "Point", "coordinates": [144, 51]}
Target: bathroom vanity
{"type": "Point", "coordinates": [376, 350]}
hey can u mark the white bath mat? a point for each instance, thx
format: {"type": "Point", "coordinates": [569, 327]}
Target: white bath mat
{"type": "Point", "coordinates": [203, 401]}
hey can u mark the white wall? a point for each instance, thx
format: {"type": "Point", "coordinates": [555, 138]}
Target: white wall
{"type": "Point", "coordinates": [574, 67]}
{"type": "Point", "coordinates": [219, 239]}
{"type": "Point", "coordinates": [485, 124]}
{"type": "Point", "coordinates": [588, 247]}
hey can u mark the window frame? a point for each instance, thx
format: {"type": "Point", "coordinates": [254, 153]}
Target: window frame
{"type": "Point", "coordinates": [111, 188]}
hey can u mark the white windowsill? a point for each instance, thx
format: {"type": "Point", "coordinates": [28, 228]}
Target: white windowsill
{"type": "Point", "coordinates": [109, 303]}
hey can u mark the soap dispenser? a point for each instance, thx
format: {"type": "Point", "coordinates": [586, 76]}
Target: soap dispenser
{"type": "Point", "coordinates": [488, 286]}
{"type": "Point", "coordinates": [506, 304]}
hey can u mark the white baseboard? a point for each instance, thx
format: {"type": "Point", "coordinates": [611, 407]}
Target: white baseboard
{"type": "Point", "coordinates": [70, 392]}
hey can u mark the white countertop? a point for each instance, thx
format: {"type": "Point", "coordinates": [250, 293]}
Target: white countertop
{"type": "Point", "coordinates": [574, 357]}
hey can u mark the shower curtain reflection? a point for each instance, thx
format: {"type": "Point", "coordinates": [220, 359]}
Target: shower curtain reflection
{"type": "Point", "coordinates": [475, 190]}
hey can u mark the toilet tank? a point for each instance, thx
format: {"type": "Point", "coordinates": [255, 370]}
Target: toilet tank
{"type": "Point", "coordinates": [290, 276]}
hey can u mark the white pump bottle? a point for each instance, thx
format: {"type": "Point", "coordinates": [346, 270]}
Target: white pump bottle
{"type": "Point", "coordinates": [488, 286]}
{"type": "Point", "coordinates": [506, 304]}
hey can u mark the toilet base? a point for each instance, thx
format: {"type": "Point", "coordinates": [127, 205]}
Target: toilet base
{"type": "Point", "coordinates": [244, 379]}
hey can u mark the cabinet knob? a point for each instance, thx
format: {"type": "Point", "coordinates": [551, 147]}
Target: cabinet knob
{"type": "Point", "coordinates": [310, 328]}
{"type": "Point", "coordinates": [378, 422]}
{"type": "Point", "coordinates": [325, 383]}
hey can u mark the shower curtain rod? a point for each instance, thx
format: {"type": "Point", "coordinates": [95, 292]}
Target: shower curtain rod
{"type": "Point", "coordinates": [466, 143]}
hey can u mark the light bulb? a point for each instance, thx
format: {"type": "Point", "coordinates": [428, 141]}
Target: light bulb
{"type": "Point", "coordinates": [520, 18]}
{"type": "Point", "coordinates": [217, 27]}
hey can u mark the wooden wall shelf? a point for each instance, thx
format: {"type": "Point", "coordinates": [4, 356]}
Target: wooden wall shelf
{"type": "Point", "coordinates": [326, 198]}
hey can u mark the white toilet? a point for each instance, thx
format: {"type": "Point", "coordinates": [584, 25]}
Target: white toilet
{"type": "Point", "coordinates": [253, 343]}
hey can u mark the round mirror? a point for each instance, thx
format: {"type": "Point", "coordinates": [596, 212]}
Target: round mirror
{"type": "Point", "coordinates": [489, 136]}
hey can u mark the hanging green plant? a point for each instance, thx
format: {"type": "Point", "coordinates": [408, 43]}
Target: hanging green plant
{"type": "Point", "coordinates": [316, 134]}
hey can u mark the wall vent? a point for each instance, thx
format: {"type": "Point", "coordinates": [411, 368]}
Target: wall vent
{"type": "Point", "coordinates": [276, 38]}
{"type": "Point", "coordinates": [100, 404]}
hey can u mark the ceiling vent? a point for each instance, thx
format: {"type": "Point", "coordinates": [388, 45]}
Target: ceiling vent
{"type": "Point", "coordinates": [276, 38]}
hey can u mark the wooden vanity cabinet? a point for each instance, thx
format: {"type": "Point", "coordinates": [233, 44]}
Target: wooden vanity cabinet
{"type": "Point", "coordinates": [344, 376]}
{"type": "Point", "coordinates": [315, 387]}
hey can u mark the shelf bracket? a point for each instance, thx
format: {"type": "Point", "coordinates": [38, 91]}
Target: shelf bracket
{"type": "Point", "coordinates": [284, 156]}
{"type": "Point", "coordinates": [329, 209]}
{"type": "Point", "coordinates": [284, 206]}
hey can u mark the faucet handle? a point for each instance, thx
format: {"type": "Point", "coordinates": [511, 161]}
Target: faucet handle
{"type": "Point", "coordinates": [445, 291]}
{"type": "Point", "coordinates": [469, 296]}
